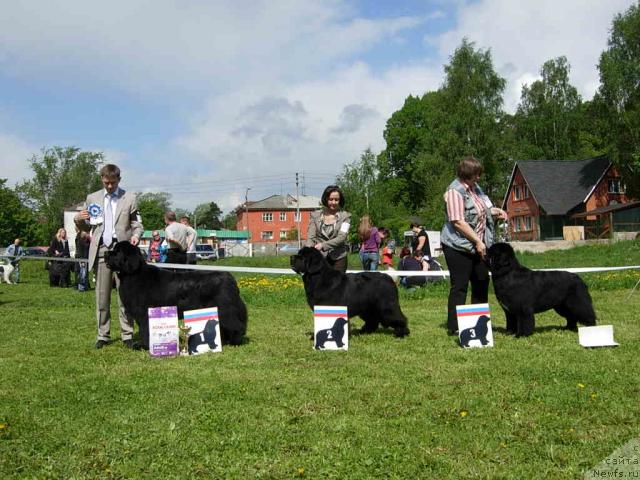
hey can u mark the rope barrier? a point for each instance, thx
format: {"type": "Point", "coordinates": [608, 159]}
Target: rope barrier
{"type": "Point", "coordinates": [288, 271]}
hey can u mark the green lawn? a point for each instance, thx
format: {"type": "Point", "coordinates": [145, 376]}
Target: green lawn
{"type": "Point", "coordinates": [419, 407]}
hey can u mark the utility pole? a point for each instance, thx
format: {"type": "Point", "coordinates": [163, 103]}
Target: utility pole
{"type": "Point", "coordinates": [246, 213]}
{"type": "Point", "coordinates": [298, 212]}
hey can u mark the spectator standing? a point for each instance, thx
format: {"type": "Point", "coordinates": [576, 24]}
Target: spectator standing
{"type": "Point", "coordinates": [178, 238]}
{"type": "Point", "coordinates": [16, 251]}
{"type": "Point", "coordinates": [421, 240]}
{"type": "Point", "coordinates": [465, 237]}
{"type": "Point", "coordinates": [371, 239]}
{"type": "Point", "coordinates": [59, 247]}
{"type": "Point", "coordinates": [157, 248]}
{"type": "Point", "coordinates": [83, 241]}
{"type": "Point", "coordinates": [114, 217]}
{"type": "Point", "coordinates": [328, 228]}
{"type": "Point", "coordinates": [387, 254]}
{"type": "Point", "coordinates": [191, 248]}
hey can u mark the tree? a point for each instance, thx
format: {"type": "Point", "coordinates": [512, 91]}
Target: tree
{"type": "Point", "coordinates": [62, 178]}
{"type": "Point", "coordinates": [548, 116]}
{"type": "Point", "coordinates": [208, 216]}
{"type": "Point", "coordinates": [428, 136]}
{"type": "Point", "coordinates": [152, 208]}
{"type": "Point", "coordinates": [15, 219]}
{"type": "Point", "coordinates": [230, 221]}
{"type": "Point", "coordinates": [472, 100]}
{"type": "Point", "coordinates": [619, 91]}
{"type": "Point", "coordinates": [183, 212]}
{"type": "Point", "coordinates": [411, 132]}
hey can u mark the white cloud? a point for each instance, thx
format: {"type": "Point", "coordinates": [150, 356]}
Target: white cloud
{"type": "Point", "coordinates": [15, 154]}
{"type": "Point", "coordinates": [316, 126]}
{"type": "Point", "coordinates": [281, 85]}
{"type": "Point", "coordinates": [524, 35]}
{"type": "Point", "coordinates": [149, 46]}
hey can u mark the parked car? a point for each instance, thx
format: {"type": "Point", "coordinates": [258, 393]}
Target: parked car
{"type": "Point", "coordinates": [288, 249]}
{"type": "Point", "coordinates": [206, 252]}
{"type": "Point", "coordinates": [36, 251]}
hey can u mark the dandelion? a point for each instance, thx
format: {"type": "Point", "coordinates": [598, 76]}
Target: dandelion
{"type": "Point", "coordinates": [581, 385]}
{"type": "Point", "coordinates": [463, 413]}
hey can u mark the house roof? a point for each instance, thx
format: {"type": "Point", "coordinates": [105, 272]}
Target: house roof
{"type": "Point", "coordinates": [560, 185]}
{"type": "Point", "coordinates": [607, 209]}
{"type": "Point", "coordinates": [283, 202]}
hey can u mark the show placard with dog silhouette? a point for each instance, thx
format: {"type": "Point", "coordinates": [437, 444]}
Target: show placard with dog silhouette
{"type": "Point", "coordinates": [163, 331]}
{"type": "Point", "coordinates": [474, 325]}
{"type": "Point", "coordinates": [204, 333]}
{"type": "Point", "coordinates": [331, 328]}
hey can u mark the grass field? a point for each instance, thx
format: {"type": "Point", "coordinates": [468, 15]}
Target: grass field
{"type": "Point", "coordinates": [419, 407]}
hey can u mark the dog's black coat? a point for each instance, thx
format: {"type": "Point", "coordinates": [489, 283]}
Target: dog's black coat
{"type": "Point", "coordinates": [143, 286]}
{"type": "Point", "coordinates": [371, 296]}
{"type": "Point", "coordinates": [523, 292]}
{"type": "Point", "coordinates": [333, 334]}
{"type": "Point", "coordinates": [60, 274]}
{"type": "Point", "coordinates": [477, 332]}
{"type": "Point", "coordinates": [206, 336]}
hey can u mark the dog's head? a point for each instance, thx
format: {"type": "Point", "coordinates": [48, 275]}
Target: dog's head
{"type": "Point", "coordinates": [340, 322]}
{"type": "Point", "coordinates": [307, 260]}
{"type": "Point", "coordinates": [483, 321]}
{"type": "Point", "coordinates": [501, 258]}
{"type": "Point", "coordinates": [124, 258]}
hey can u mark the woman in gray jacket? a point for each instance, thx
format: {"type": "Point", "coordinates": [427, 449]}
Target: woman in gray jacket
{"type": "Point", "coordinates": [465, 237]}
{"type": "Point", "coordinates": [328, 228]}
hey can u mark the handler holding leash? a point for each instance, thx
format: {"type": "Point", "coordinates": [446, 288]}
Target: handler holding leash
{"type": "Point", "coordinates": [328, 228]}
{"type": "Point", "coordinates": [111, 215]}
{"type": "Point", "coordinates": [465, 237]}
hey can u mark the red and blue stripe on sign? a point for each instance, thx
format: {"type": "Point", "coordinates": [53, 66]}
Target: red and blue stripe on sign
{"type": "Point", "coordinates": [329, 312]}
{"type": "Point", "coordinates": [472, 311]}
{"type": "Point", "coordinates": [200, 315]}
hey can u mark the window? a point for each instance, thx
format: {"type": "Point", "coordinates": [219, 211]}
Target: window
{"type": "Point", "coordinates": [267, 217]}
{"type": "Point", "coordinates": [283, 216]}
{"type": "Point", "coordinates": [520, 192]}
{"type": "Point", "coordinates": [283, 234]}
{"type": "Point", "coordinates": [297, 217]}
{"type": "Point", "coordinates": [522, 224]}
{"type": "Point", "coordinates": [268, 235]}
{"type": "Point", "coordinates": [616, 185]}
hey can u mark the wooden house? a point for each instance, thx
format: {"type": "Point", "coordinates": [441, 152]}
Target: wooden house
{"type": "Point", "coordinates": [544, 196]}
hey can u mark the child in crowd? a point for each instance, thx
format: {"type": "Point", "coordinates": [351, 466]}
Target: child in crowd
{"type": "Point", "coordinates": [387, 254]}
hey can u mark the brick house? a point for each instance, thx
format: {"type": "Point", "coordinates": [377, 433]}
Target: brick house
{"type": "Point", "coordinates": [546, 195]}
{"type": "Point", "coordinates": [274, 219]}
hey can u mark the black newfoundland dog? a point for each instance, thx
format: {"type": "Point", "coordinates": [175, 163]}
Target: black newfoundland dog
{"type": "Point", "coordinates": [523, 292]}
{"type": "Point", "coordinates": [371, 296]}
{"type": "Point", "coordinates": [143, 286]}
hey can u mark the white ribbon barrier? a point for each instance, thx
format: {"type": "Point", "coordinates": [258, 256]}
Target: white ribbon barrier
{"type": "Point", "coordinates": [288, 271]}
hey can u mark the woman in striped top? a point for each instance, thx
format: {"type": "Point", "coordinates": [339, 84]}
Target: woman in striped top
{"type": "Point", "coordinates": [465, 237]}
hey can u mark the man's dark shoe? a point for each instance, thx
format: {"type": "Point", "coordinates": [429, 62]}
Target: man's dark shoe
{"type": "Point", "coordinates": [129, 343]}
{"type": "Point", "coordinates": [101, 343]}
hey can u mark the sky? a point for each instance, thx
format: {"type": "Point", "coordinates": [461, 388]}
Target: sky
{"type": "Point", "coordinates": [217, 100]}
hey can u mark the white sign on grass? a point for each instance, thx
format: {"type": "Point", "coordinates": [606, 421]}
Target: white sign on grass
{"type": "Point", "coordinates": [163, 331]}
{"type": "Point", "coordinates": [204, 333]}
{"type": "Point", "coordinates": [331, 328]}
{"type": "Point", "coordinates": [474, 325]}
